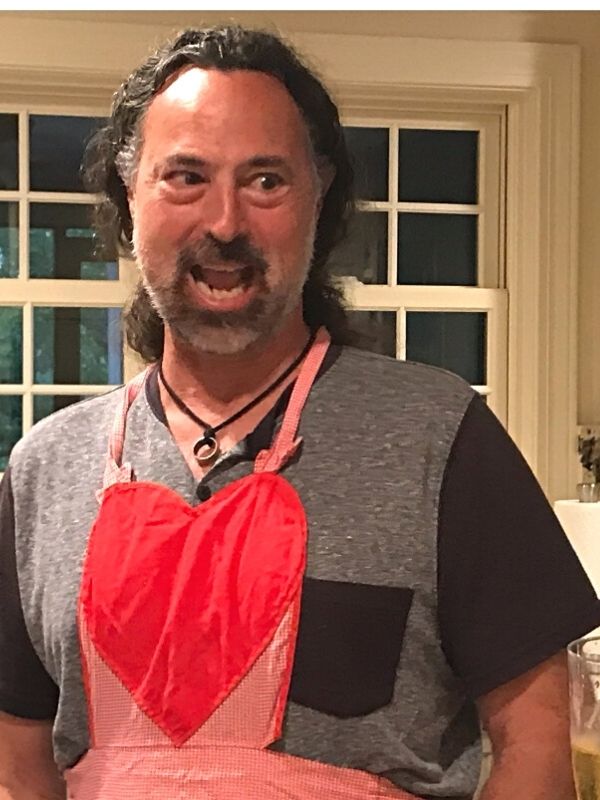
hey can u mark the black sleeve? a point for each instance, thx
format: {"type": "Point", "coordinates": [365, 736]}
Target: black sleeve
{"type": "Point", "coordinates": [26, 689]}
{"type": "Point", "coordinates": [512, 592]}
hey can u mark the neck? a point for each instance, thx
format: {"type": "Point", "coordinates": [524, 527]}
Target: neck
{"type": "Point", "coordinates": [216, 381]}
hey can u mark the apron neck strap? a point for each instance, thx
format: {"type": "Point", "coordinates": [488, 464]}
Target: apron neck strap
{"type": "Point", "coordinates": [114, 470]}
{"type": "Point", "coordinates": [286, 443]}
{"type": "Point", "coordinates": [271, 460]}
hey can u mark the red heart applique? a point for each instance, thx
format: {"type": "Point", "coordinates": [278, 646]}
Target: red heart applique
{"type": "Point", "coordinates": [181, 601]}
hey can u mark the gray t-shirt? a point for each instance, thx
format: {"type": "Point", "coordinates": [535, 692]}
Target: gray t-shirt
{"type": "Point", "coordinates": [432, 559]}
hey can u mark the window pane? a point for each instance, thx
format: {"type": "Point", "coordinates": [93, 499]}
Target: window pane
{"type": "Point", "coordinates": [11, 425]}
{"type": "Point", "coordinates": [376, 330]}
{"type": "Point", "coordinates": [44, 405]}
{"type": "Point", "coordinates": [437, 249]}
{"type": "Point", "coordinates": [363, 253]}
{"type": "Point", "coordinates": [369, 153]}
{"type": "Point", "coordinates": [77, 345]}
{"type": "Point", "coordinates": [453, 340]}
{"type": "Point", "coordinates": [11, 344]}
{"type": "Point", "coordinates": [9, 240]}
{"type": "Point", "coordinates": [56, 146]}
{"type": "Point", "coordinates": [9, 151]}
{"type": "Point", "coordinates": [63, 245]}
{"type": "Point", "coordinates": [438, 166]}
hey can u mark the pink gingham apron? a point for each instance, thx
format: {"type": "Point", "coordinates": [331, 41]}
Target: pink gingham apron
{"type": "Point", "coordinates": [187, 621]}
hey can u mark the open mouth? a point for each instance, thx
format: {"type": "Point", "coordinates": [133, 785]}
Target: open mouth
{"type": "Point", "coordinates": [223, 283]}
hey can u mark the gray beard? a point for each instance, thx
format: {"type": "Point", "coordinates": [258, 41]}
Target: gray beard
{"type": "Point", "coordinates": [225, 332]}
{"type": "Point", "coordinates": [221, 333]}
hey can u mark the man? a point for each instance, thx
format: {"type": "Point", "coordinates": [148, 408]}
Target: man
{"type": "Point", "coordinates": [225, 651]}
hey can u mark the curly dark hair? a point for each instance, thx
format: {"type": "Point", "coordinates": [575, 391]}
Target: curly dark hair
{"type": "Point", "coordinates": [111, 159]}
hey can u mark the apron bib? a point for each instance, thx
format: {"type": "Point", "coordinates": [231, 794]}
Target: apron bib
{"type": "Point", "coordinates": [187, 620]}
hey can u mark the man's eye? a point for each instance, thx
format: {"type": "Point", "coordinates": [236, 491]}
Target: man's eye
{"type": "Point", "coordinates": [269, 181]}
{"type": "Point", "coordinates": [183, 177]}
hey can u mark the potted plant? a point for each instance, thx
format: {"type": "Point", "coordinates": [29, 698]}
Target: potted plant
{"type": "Point", "coordinates": [588, 447]}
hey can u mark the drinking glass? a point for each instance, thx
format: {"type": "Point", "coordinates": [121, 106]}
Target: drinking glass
{"type": "Point", "coordinates": [584, 690]}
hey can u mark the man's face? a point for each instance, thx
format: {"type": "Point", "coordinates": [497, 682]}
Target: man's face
{"type": "Point", "coordinates": [224, 203]}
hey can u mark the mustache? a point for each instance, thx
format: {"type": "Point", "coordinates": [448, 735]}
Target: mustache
{"type": "Point", "coordinates": [211, 250]}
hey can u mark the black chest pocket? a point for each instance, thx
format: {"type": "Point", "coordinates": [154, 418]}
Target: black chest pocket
{"type": "Point", "coordinates": [348, 648]}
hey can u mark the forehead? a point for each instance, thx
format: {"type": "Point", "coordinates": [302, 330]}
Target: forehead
{"type": "Point", "coordinates": [235, 111]}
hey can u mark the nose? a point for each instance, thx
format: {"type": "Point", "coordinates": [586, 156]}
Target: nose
{"type": "Point", "coordinates": [223, 213]}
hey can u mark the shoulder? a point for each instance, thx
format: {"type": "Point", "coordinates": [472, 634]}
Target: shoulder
{"type": "Point", "coordinates": [65, 436]}
{"type": "Point", "coordinates": [503, 561]}
{"type": "Point", "coordinates": [391, 385]}
{"type": "Point", "coordinates": [392, 371]}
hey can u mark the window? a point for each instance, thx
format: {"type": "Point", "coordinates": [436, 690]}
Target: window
{"type": "Point", "coordinates": [60, 297]}
{"type": "Point", "coordinates": [423, 264]}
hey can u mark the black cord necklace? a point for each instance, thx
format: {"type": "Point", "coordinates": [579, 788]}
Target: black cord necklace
{"type": "Point", "coordinates": [208, 441]}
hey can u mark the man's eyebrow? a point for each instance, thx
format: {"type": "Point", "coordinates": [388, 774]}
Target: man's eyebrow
{"type": "Point", "coordinates": [187, 161]}
{"type": "Point", "coordinates": [184, 160]}
{"type": "Point", "coordinates": [267, 161]}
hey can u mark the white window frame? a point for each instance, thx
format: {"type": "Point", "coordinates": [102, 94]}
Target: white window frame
{"type": "Point", "coordinates": [540, 86]}
{"type": "Point", "coordinates": [489, 296]}
{"type": "Point", "coordinates": [403, 299]}
{"type": "Point", "coordinates": [28, 293]}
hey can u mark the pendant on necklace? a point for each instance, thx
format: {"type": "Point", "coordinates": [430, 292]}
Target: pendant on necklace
{"type": "Point", "coordinates": [206, 448]}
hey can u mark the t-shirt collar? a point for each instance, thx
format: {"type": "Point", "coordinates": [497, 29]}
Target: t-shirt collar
{"type": "Point", "coordinates": [262, 435]}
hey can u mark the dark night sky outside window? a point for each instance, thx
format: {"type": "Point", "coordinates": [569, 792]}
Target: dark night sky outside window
{"type": "Point", "coordinates": [369, 153]}
{"type": "Point", "coordinates": [364, 252]}
{"type": "Point", "coordinates": [438, 166]}
{"type": "Point", "coordinates": [437, 249]}
{"type": "Point", "coordinates": [9, 240]}
{"type": "Point", "coordinates": [9, 162]}
{"type": "Point", "coordinates": [56, 146]}
{"type": "Point", "coordinates": [453, 340]}
{"type": "Point", "coordinates": [377, 330]}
